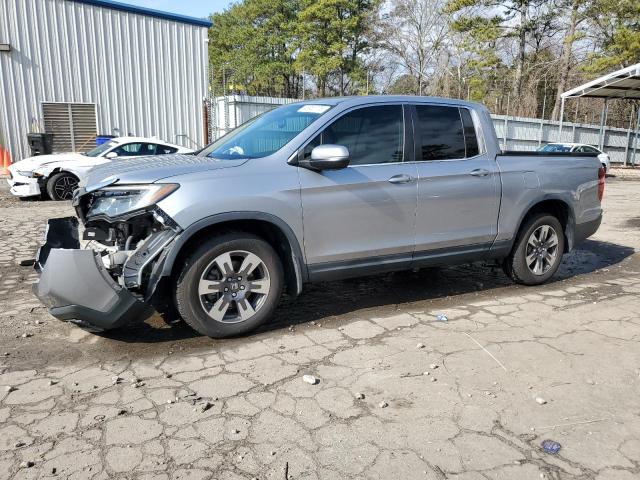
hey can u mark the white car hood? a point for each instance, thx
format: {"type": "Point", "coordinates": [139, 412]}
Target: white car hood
{"type": "Point", "coordinates": [32, 163]}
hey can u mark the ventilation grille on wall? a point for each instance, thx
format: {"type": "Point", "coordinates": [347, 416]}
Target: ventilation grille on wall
{"type": "Point", "coordinates": [73, 125]}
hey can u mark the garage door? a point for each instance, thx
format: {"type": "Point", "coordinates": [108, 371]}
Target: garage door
{"type": "Point", "coordinates": [73, 125]}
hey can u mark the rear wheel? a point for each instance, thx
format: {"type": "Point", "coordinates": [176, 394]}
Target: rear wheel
{"type": "Point", "coordinates": [229, 285]}
{"type": "Point", "coordinates": [538, 251]}
{"type": "Point", "coordinates": [61, 186]}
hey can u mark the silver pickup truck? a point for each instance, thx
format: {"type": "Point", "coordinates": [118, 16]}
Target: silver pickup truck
{"type": "Point", "coordinates": [311, 191]}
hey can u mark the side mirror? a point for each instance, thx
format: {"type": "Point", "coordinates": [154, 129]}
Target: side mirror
{"type": "Point", "coordinates": [327, 157]}
{"type": "Point", "coordinates": [111, 155]}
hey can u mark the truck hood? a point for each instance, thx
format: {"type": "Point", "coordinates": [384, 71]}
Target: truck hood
{"type": "Point", "coordinates": [31, 163]}
{"type": "Point", "coordinates": [152, 169]}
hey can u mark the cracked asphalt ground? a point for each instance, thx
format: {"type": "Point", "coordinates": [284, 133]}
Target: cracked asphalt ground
{"type": "Point", "coordinates": [400, 394]}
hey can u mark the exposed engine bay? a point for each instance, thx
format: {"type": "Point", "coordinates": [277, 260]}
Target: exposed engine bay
{"type": "Point", "coordinates": [131, 245]}
{"type": "Point", "coordinates": [108, 279]}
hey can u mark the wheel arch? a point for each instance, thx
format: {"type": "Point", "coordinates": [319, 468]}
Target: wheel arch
{"type": "Point", "coordinates": [557, 207]}
{"type": "Point", "coordinates": [269, 227]}
{"type": "Point", "coordinates": [45, 183]}
{"type": "Point", "coordinates": [62, 170]}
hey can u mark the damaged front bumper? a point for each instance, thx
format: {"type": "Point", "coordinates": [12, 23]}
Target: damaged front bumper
{"type": "Point", "coordinates": [83, 287]}
{"type": "Point", "coordinates": [22, 186]}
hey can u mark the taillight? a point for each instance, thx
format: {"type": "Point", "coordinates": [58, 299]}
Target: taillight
{"type": "Point", "coordinates": [601, 176]}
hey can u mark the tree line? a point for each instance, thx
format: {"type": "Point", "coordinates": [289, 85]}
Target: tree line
{"type": "Point", "coordinates": [515, 56]}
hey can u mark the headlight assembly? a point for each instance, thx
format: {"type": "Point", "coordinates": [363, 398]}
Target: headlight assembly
{"type": "Point", "coordinates": [121, 199]}
{"type": "Point", "coordinates": [29, 174]}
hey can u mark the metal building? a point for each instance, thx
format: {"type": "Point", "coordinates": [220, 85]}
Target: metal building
{"type": "Point", "coordinates": [77, 68]}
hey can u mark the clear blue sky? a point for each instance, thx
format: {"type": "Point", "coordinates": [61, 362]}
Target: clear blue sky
{"type": "Point", "coordinates": [192, 8]}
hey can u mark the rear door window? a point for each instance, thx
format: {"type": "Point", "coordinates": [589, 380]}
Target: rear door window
{"type": "Point", "coordinates": [440, 133]}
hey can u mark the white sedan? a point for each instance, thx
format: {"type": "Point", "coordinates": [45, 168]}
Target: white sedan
{"type": "Point", "coordinates": [58, 175]}
{"type": "Point", "coordinates": [579, 148]}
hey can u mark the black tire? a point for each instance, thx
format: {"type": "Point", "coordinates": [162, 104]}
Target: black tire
{"type": "Point", "coordinates": [516, 265]}
{"type": "Point", "coordinates": [201, 263]}
{"type": "Point", "coordinates": [61, 186]}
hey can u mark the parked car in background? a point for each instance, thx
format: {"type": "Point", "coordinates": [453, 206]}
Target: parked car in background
{"type": "Point", "coordinates": [309, 192]}
{"type": "Point", "coordinates": [57, 175]}
{"type": "Point", "coordinates": [578, 148]}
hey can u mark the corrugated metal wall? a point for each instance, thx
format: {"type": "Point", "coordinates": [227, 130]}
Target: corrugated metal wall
{"type": "Point", "coordinates": [228, 112]}
{"type": "Point", "coordinates": [147, 76]}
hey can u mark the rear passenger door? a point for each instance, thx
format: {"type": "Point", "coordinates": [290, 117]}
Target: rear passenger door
{"type": "Point", "coordinates": [458, 194]}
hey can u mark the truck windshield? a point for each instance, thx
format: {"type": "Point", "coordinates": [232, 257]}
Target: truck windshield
{"type": "Point", "coordinates": [265, 134]}
{"type": "Point", "coordinates": [555, 147]}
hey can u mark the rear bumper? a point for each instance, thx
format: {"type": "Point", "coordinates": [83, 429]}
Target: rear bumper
{"type": "Point", "coordinates": [76, 286]}
{"type": "Point", "coordinates": [585, 230]}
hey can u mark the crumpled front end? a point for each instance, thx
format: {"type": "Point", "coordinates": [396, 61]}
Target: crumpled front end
{"type": "Point", "coordinates": [108, 283]}
{"type": "Point", "coordinates": [23, 186]}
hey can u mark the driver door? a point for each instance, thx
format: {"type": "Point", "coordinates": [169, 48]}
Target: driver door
{"type": "Point", "coordinates": [361, 218]}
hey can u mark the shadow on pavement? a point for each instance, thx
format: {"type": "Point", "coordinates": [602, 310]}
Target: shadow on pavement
{"type": "Point", "coordinates": [325, 300]}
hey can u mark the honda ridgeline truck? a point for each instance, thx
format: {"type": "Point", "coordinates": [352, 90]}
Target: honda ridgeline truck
{"type": "Point", "coordinates": [311, 191]}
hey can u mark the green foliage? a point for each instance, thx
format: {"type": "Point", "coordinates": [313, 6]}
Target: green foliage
{"type": "Point", "coordinates": [492, 51]}
{"type": "Point", "coordinates": [618, 25]}
{"type": "Point", "coordinates": [332, 36]}
{"type": "Point", "coordinates": [263, 46]}
{"type": "Point", "coordinates": [403, 85]}
{"type": "Point", "coordinates": [251, 43]}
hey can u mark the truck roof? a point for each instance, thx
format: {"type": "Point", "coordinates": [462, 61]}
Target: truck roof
{"type": "Point", "coordinates": [364, 99]}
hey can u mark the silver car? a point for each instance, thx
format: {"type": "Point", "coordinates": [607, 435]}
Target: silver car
{"type": "Point", "coordinates": [308, 192]}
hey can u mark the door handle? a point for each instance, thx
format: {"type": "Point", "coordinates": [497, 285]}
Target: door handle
{"type": "Point", "coordinates": [402, 178]}
{"type": "Point", "coordinates": [479, 172]}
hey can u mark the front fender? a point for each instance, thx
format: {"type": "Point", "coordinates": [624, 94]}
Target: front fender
{"type": "Point", "coordinates": [189, 232]}
{"type": "Point", "coordinates": [44, 172]}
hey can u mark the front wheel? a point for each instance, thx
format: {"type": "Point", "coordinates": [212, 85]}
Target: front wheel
{"type": "Point", "coordinates": [61, 186]}
{"type": "Point", "coordinates": [538, 251]}
{"type": "Point", "coordinates": [229, 285]}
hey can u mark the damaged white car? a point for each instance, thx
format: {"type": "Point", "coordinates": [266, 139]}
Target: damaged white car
{"type": "Point", "coordinates": [57, 176]}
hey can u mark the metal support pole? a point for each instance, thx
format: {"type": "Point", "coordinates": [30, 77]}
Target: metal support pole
{"type": "Point", "coordinates": [506, 123]}
{"type": "Point", "coordinates": [635, 140]}
{"type": "Point", "coordinates": [603, 120]}
{"type": "Point", "coordinates": [561, 119]}
{"type": "Point", "coordinates": [626, 145]}
{"type": "Point", "coordinates": [544, 106]}
{"type": "Point", "coordinates": [575, 121]}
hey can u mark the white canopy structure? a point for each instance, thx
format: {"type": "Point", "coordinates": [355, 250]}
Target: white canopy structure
{"type": "Point", "coordinates": [622, 84]}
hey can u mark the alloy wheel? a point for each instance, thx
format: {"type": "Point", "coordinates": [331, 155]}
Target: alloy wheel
{"type": "Point", "coordinates": [65, 186]}
{"type": "Point", "coordinates": [234, 286]}
{"type": "Point", "coordinates": [542, 250]}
